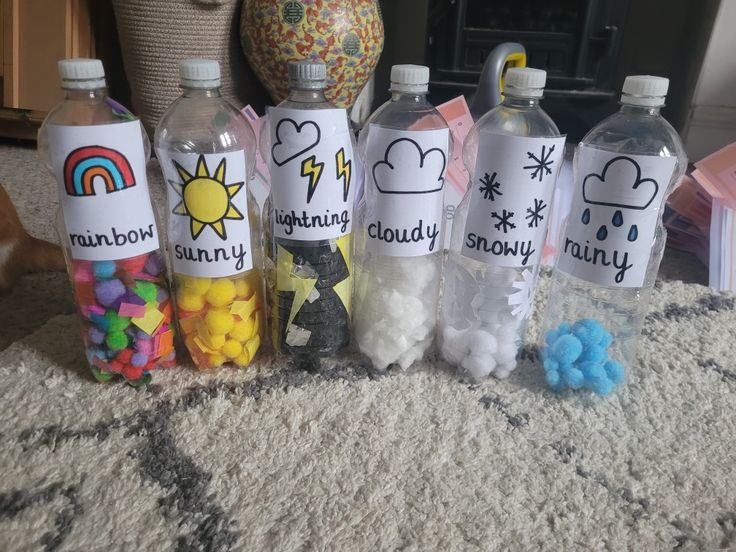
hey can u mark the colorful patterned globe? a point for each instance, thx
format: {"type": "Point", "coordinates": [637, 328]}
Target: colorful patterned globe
{"type": "Point", "coordinates": [347, 35]}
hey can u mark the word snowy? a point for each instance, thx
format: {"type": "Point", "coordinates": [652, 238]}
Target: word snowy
{"type": "Point", "coordinates": [500, 248]}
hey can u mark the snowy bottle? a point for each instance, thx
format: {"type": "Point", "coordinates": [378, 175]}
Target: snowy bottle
{"type": "Point", "coordinates": [97, 152]}
{"type": "Point", "coordinates": [613, 242]}
{"type": "Point", "coordinates": [399, 229]}
{"type": "Point", "coordinates": [513, 155]}
{"type": "Point", "coordinates": [207, 152]}
{"type": "Point", "coordinates": [308, 146]}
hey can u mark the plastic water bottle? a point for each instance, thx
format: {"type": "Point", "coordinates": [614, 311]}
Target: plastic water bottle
{"type": "Point", "coordinates": [309, 148]}
{"type": "Point", "coordinates": [613, 242]}
{"type": "Point", "coordinates": [398, 254]}
{"type": "Point", "coordinates": [206, 149]}
{"type": "Point", "coordinates": [97, 152]}
{"type": "Point", "coordinates": [513, 154]}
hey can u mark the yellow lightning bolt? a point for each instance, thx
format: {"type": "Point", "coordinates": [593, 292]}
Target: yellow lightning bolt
{"type": "Point", "coordinates": [288, 280]}
{"type": "Point", "coordinates": [343, 170]}
{"type": "Point", "coordinates": [313, 170]}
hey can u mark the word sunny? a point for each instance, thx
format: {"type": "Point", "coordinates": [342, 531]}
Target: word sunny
{"type": "Point", "coordinates": [290, 220]}
{"type": "Point", "coordinates": [236, 253]}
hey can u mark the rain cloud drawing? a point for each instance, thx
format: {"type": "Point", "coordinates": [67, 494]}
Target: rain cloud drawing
{"type": "Point", "coordinates": [638, 196]}
{"type": "Point", "coordinates": [293, 139]}
{"type": "Point", "coordinates": [406, 169]}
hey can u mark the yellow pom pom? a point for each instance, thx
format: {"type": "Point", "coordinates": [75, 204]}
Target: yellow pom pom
{"type": "Point", "coordinates": [243, 359]}
{"type": "Point", "coordinates": [219, 321]}
{"type": "Point", "coordinates": [221, 293]}
{"type": "Point", "coordinates": [197, 286]}
{"type": "Point", "coordinates": [188, 301]}
{"type": "Point", "coordinates": [232, 348]}
{"type": "Point", "coordinates": [217, 359]}
{"type": "Point", "coordinates": [242, 330]}
{"type": "Point", "coordinates": [215, 342]}
{"type": "Point", "coordinates": [242, 287]}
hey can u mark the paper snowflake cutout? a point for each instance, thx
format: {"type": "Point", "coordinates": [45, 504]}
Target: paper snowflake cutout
{"type": "Point", "coordinates": [521, 300]}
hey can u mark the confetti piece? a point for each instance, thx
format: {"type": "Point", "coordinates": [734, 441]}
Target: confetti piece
{"type": "Point", "coordinates": [165, 343]}
{"type": "Point", "coordinates": [134, 311]}
{"type": "Point", "coordinates": [243, 309]}
{"type": "Point", "coordinates": [150, 322]}
{"type": "Point", "coordinates": [189, 324]}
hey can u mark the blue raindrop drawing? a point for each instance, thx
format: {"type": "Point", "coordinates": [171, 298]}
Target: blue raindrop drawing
{"type": "Point", "coordinates": [602, 233]}
{"type": "Point", "coordinates": [633, 233]}
{"type": "Point", "coordinates": [586, 216]}
{"type": "Point", "coordinates": [618, 218]}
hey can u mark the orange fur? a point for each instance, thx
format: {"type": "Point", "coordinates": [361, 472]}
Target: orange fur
{"type": "Point", "coordinates": [21, 253]}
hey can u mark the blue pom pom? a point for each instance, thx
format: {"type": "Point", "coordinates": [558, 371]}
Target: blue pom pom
{"type": "Point", "coordinates": [103, 269]}
{"type": "Point", "coordinates": [593, 353]}
{"type": "Point", "coordinates": [593, 371]}
{"type": "Point", "coordinates": [100, 321]}
{"type": "Point", "coordinates": [589, 331]}
{"type": "Point", "coordinates": [551, 365]}
{"type": "Point", "coordinates": [564, 328]}
{"type": "Point", "coordinates": [567, 349]}
{"type": "Point", "coordinates": [553, 378]}
{"type": "Point", "coordinates": [572, 377]}
{"type": "Point", "coordinates": [606, 340]}
{"type": "Point", "coordinates": [602, 386]}
{"type": "Point", "coordinates": [551, 337]}
{"type": "Point", "coordinates": [614, 371]}
{"type": "Point", "coordinates": [92, 353]}
{"type": "Point", "coordinates": [95, 335]}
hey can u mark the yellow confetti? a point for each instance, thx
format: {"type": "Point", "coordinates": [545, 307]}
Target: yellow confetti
{"type": "Point", "coordinates": [150, 322]}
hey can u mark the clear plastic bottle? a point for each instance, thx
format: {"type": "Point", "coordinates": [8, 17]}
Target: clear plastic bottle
{"type": "Point", "coordinates": [612, 243]}
{"type": "Point", "coordinates": [513, 155]}
{"type": "Point", "coordinates": [308, 145]}
{"type": "Point", "coordinates": [97, 151]}
{"type": "Point", "coordinates": [207, 153]}
{"type": "Point", "coordinates": [399, 224]}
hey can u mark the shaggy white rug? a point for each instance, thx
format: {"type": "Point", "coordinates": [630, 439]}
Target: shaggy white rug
{"type": "Point", "coordinates": [280, 459]}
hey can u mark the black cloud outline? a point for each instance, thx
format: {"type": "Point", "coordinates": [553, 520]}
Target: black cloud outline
{"type": "Point", "coordinates": [637, 182]}
{"type": "Point", "coordinates": [298, 128]}
{"type": "Point", "coordinates": [422, 156]}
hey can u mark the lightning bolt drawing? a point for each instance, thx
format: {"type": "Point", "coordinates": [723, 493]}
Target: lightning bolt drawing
{"type": "Point", "coordinates": [313, 170]}
{"type": "Point", "coordinates": [343, 171]}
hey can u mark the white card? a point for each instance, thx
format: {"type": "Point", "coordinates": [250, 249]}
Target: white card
{"type": "Point", "coordinates": [406, 175]}
{"type": "Point", "coordinates": [511, 192]}
{"type": "Point", "coordinates": [615, 210]}
{"type": "Point", "coordinates": [103, 190]}
{"type": "Point", "coordinates": [208, 229]}
{"type": "Point", "coordinates": [312, 173]}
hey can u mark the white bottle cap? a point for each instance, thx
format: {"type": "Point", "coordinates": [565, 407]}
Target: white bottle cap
{"type": "Point", "coordinates": [199, 73]}
{"type": "Point", "coordinates": [412, 79]}
{"type": "Point", "coordinates": [307, 74]}
{"type": "Point", "coordinates": [524, 82]}
{"type": "Point", "coordinates": [81, 74]}
{"type": "Point", "coordinates": [645, 90]}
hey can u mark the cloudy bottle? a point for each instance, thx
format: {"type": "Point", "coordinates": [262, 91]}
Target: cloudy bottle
{"type": "Point", "coordinates": [97, 152]}
{"type": "Point", "coordinates": [513, 155]}
{"type": "Point", "coordinates": [308, 146]}
{"type": "Point", "coordinates": [206, 149]}
{"type": "Point", "coordinates": [612, 243]}
{"type": "Point", "coordinates": [398, 255]}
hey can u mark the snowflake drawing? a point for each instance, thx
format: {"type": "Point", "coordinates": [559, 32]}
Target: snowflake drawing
{"type": "Point", "coordinates": [521, 300]}
{"type": "Point", "coordinates": [490, 186]}
{"type": "Point", "coordinates": [541, 165]}
{"type": "Point", "coordinates": [504, 220]}
{"type": "Point", "coordinates": [535, 213]}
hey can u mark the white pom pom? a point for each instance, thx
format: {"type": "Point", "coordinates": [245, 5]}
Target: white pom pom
{"type": "Point", "coordinates": [480, 342]}
{"type": "Point", "coordinates": [479, 366]}
{"type": "Point", "coordinates": [506, 352]}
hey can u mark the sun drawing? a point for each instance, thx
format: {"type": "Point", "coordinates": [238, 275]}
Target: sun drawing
{"type": "Point", "coordinates": [206, 199]}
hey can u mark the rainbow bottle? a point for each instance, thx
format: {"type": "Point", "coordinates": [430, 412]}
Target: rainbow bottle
{"type": "Point", "coordinates": [207, 153]}
{"type": "Point", "coordinates": [97, 151]}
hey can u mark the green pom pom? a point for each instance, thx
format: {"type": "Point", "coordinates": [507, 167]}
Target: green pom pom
{"type": "Point", "coordinates": [115, 322]}
{"type": "Point", "coordinates": [146, 291]}
{"type": "Point", "coordinates": [116, 341]}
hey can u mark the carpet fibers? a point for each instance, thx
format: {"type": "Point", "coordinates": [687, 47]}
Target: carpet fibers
{"type": "Point", "coordinates": [276, 458]}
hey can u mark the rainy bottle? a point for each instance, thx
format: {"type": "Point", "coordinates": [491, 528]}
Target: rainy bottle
{"type": "Point", "coordinates": [308, 146]}
{"type": "Point", "coordinates": [97, 152]}
{"type": "Point", "coordinates": [513, 155]}
{"type": "Point", "coordinates": [206, 149]}
{"type": "Point", "coordinates": [398, 253]}
{"type": "Point", "coordinates": [612, 243]}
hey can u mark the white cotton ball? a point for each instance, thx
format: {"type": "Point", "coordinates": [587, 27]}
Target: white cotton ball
{"type": "Point", "coordinates": [478, 366]}
{"type": "Point", "coordinates": [488, 317]}
{"type": "Point", "coordinates": [506, 352]}
{"type": "Point", "coordinates": [507, 333]}
{"type": "Point", "coordinates": [480, 342]}
{"type": "Point", "coordinates": [414, 354]}
{"type": "Point", "coordinates": [504, 370]}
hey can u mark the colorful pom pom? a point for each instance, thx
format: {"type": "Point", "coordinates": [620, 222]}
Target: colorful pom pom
{"type": "Point", "coordinates": [146, 291]}
{"type": "Point", "coordinates": [109, 291]}
{"type": "Point", "coordinates": [116, 340]}
{"type": "Point", "coordinates": [103, 269]}
{"type": "Point", "coordinates": [567, 349]}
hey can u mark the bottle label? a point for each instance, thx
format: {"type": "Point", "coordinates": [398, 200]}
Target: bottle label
{"type": "Point", "coordinates": [103, 190]}
{"type": "Point", "coordinates": [209, 227]}
{"type": "Point", "coordinates": [406, 169]}
{"type": "Point", "coordinates": [510, 197]}
{"type": "Point", "coordinates": [615, 210]}
{"type": "Point", "coordinates": [312, 173]}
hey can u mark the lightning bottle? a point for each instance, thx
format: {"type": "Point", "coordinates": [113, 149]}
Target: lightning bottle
{"type": "Point", "coordinates": [308, 145]}
{"type": "Point", "coordinates": [97, 152]}
{"type": "Point", "coordinates": [207, 149]}
{"type": "Point", "coordinates": [398, 254]}
{"type": "Point", "coordinates": [613, 241]}
{"type": "Point", "coordinates": [513, 155]}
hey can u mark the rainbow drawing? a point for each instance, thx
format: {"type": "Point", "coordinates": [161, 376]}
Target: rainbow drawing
{"type": "Point", "coordinates": [84, 164]}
